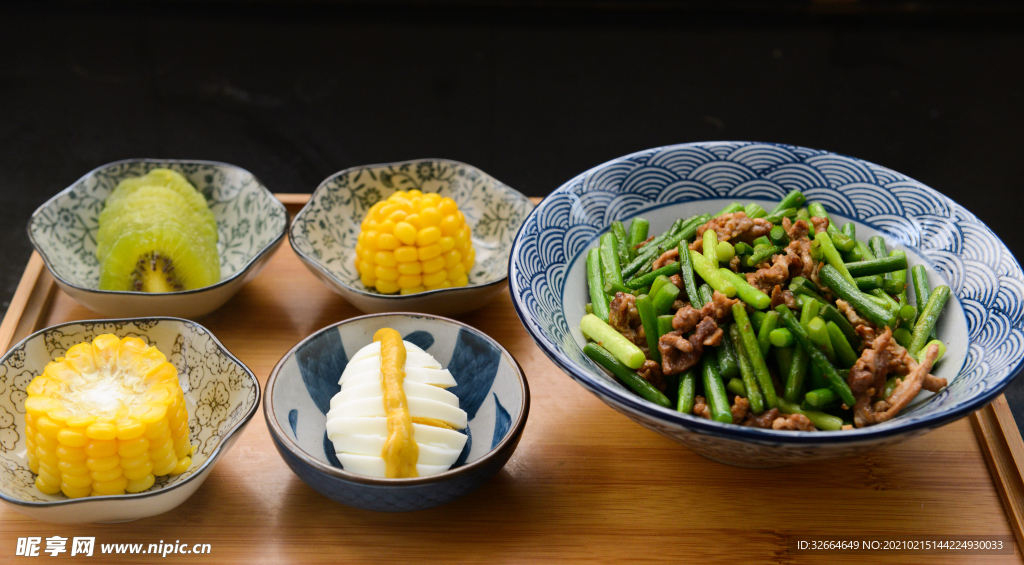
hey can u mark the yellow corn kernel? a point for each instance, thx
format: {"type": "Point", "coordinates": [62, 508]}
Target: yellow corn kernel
{"type": "Point", "coordinates": [102, 463]}
{"type": "Point", "coordinates": [46, 456]}
{"type": "Point", "coordinates": [73, 468]}
{"type": "Point", "coordinates": [129, 429]}
{"type": "Point", "coordinates": [386, 287]}
{"type": "Point", "coordinates": [385, 259]}
{"type": "Point", "coordinates": [158, 429]}
{"type": "Point", "coordinates": [72, 437]}
{"type": "Point", "coordinates": [431, 216]}
{"type": "Point", "coordinates": [432, 266]}
{"type": "Point", "coordinates": [140, 472]}
{"type": "Point", "coordinates": [433, 279]}
{"type": "Point", "coordinates": [133, 448]}
{"type": "Point", "coordinates": [77, 481]}
{"type": "Point", "coordinates": [98, 449]}
{"type": "Point", "coordinates": [409, 281]}
{"type": "Point", "coordinates": [397, 216]}
{"type": "Point", "coordinates": [429, 252]}
{"type": "Point", "coordinates": [48, 442]}
{"type": "Point", "coordinates": [135, 462]}
{"type": "Point", "coordinates": [447, 206]}
{"type": "Point", "coordinates": [416, 221]}
{"type": "Point", "coordinates": [65, 453]}
{"type": "Point", "coordinates": [413, 290]}
{"type": "Point", "coordinates": [456, 272]}
{"type": "Point", "coordinates": [182, 466]}
{"type": "Point", "coordinates": [385, 227]}
{"type": "Point", "coordinates": [406, 254]}
{"type": "Point", "coordinates": [387, 242]}
{"type": "Point", "coordinates": [386, 274]}
{"type": "Point", "coordinates": [141, 484]}
{"type": "Point", "coordinates": [49, 473]}
{"type": "Point", "coordinates": [368, 278]}
{"type": "Point", "coordinates": [108, 409]}
{"type": "Point", "coordinates": [452, 258]}
{"type": "Point", "coordinates": [102, 431]}
{"type": "Point", "coordinates": [165, 466]}
{"type": "Point", "coordinates": [371, 240]}
{"type": "Point", "coordinates": [47, 488]}
{"type": "Point", "coordinates": [461, 282]}
{"type": "Point", "coordinates": [105, 476]}
{"type": "Point", "coordinates": [447, 243]}
{"type": "Point", "coordinates": [406, 232]}
{"type": "Point", "coordinates": [450, 225]}
{"type": "Point", "coordinates": [73, 492]}
{"type": "Point", "coordinates": [47, 427]}
{"type": "Point", "coordinates": [442, 284]}
{"type": "Point", "coordinates": [410, 268]}
{"type": "Point", "coordinates": [115, 486]}
{"type": "Point", "coordinates": [428, 236]}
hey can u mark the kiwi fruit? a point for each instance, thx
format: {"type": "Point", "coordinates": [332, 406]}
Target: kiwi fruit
{"type": "Point", "coordinates": [156, 234]}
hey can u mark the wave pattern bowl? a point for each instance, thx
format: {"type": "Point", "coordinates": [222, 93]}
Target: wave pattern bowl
{"type": "Point", "coordinates": [221, 394]}
{"type": "Point", "coordinates": [325, 231]}
{"type": "Point", "coordinates": [491, 389]}
{"type": "Point", "coordinates": [251, 223]}
{"type": "Point", "coordinates": [981, 326]}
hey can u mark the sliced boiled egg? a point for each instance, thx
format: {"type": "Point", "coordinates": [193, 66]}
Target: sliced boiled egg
{"type": "Point", "coordinates": [357, 422]}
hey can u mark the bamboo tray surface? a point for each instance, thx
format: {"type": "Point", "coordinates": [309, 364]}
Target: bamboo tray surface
{"type": "Point", "coordinates": [585, 485]}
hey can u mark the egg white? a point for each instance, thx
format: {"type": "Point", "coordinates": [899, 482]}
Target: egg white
{"type": "Point", "coordinates": [357, 424]}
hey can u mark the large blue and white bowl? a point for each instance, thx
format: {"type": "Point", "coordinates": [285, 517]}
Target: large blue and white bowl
{"type": "Point", "coordinates": [981, 326]}
{"type": "Point", "coordinates": [491, 389]}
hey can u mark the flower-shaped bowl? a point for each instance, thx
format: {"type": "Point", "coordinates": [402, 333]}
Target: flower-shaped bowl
{"type": "Point", "coordinates": [221, 395]}
{"type": "Point", "coordinates": [251, 224]}
{"type": "Point", "coordinates": [491, 389]}
{"type": "Point", "coordinates": [981, 326]}
{"type": "Point", "coordinates": [324, 232]}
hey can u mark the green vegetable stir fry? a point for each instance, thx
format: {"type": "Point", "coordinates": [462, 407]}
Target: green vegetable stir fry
{"type": "Point", "coordinates": [774, 319]}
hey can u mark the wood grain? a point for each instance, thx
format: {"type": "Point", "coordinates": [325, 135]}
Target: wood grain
{"type": "Point", "coordinates": [585, 485]}
{"type": "Point", "coordinates": [1003, 449]}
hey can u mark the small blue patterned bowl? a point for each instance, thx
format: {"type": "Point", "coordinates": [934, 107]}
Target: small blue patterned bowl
{"type": "Point", "coordinates": [221, 394]}
{"type": "Point", "coordinates": [981, 327]}
{"type": "Point", "coordinates": [324, 232]}
{"type": "Point", "coordinates": [491, 389]}
{"type": "Point", "coordinates": [251, 224]}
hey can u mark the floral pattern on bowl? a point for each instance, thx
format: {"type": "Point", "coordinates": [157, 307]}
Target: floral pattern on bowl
{"type": "Point", "coordinates": [982, 326]}
{"type": "Point", "coordinates": [251, 223]}
{"type": "Point", "coordinates": [221, 395]}
{"type": "Point", "coordinates": [325, 231]}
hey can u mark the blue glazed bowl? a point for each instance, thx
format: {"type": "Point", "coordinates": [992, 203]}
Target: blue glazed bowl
{"type": "Point", "coordinates": [981, 326]}
{"type": "Point", "coordinates": [491, 389]}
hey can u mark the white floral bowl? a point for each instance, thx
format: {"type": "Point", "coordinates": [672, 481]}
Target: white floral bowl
{"type": "Point", "coordinates": [251, 223]}
{"type": "Point", "coordinates": [221, 395]}
{"type": "Point", "coordinates": [324, 232]}
{"type": "Point", "coordinates": [981, 325]}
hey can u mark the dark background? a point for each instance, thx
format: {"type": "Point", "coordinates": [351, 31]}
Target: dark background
{"type": "Point", "coordinates": [531, 93]}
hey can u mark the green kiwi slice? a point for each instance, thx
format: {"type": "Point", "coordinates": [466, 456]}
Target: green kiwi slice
{"type": "Point", "coordinates": [154, 238]}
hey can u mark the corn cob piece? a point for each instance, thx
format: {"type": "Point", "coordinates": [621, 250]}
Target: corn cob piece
{"type": "Point", "coordinates": [107, 418]}
{"type": "Point", "coordinates": [413, 242]}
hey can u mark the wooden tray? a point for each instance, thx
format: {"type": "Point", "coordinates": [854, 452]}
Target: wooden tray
{"type": "Point", "coordinates": [585, 485]}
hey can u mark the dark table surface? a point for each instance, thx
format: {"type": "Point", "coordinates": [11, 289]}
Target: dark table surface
{"type": "Point", "coordinates": [295, 92]}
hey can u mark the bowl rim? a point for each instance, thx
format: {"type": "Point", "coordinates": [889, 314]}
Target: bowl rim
{"type": "Point", "coordinates": [281, 438]}
{"type": "Point", "coordinates": [618, 396]}
{"type": "Point", "coordinates": [315, 263]}
{"type": "Point", "coordinates": [201, 470]}
{"type": "Point", "coordinates": [272, 244]}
